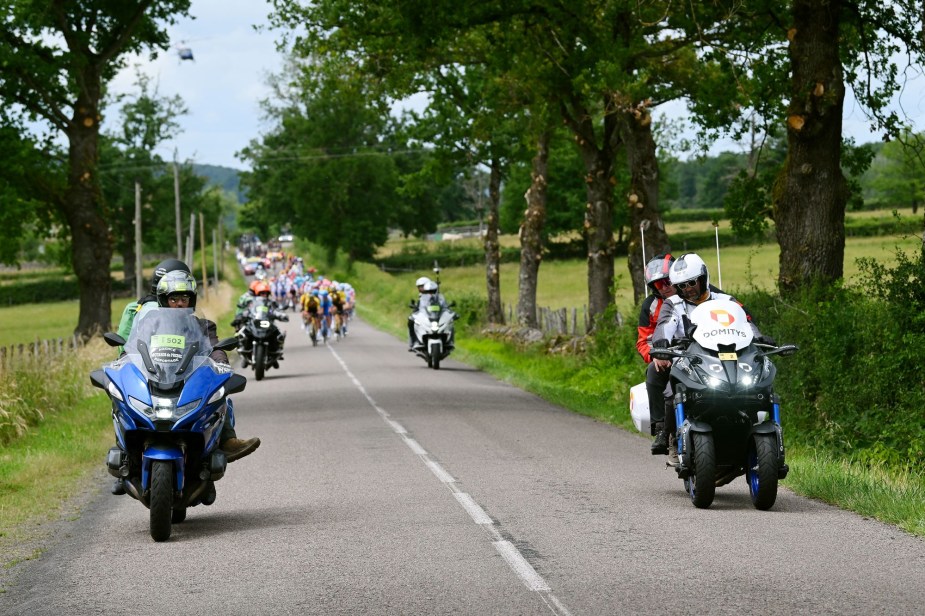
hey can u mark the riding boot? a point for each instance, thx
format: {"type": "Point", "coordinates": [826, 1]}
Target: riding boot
{"type": "Point", "coordinates": [660, 444]}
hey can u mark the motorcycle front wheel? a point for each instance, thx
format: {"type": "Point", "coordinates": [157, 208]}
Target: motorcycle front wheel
{"type": "Point", "coordinates": [702, 483]}
{"type": "Point", "coordinates": [260, 361]}
{"type": "Point", "coordinates": [161, 501]}
{"type": "Point", "coordinates": [761, 470]}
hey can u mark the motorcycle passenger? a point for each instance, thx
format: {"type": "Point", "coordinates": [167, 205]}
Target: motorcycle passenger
{"type": "Point", "coordinates": [656, 275]}
{"type": "Point", "coordinates": [691, 281]}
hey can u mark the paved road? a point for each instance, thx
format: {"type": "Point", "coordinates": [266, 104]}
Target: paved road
{"type": "Point", "coordinates": [383, 487]}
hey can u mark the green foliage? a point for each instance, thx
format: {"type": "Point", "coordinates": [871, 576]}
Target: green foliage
{"type": "Point", "coordinates": [844, 391]}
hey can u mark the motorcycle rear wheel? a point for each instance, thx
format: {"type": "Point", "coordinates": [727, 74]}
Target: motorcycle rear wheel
{"type": "Point", "coordinates": [260, 361]}
{"type": "Point", "coordinates": [761, 471]}
{"type": "Point", "coordinates": [701, 486]}
{"type": "Point", "coordinates": [161, 500]}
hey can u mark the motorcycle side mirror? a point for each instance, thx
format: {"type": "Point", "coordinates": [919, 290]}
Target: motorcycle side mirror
{"type": "Point", "coordinates": [451, 305]}
{"type": "Point", "coordinates": [228, 344]}
{"type": "Point", "coordinates": [113, 339]}
{"type": "Point", "coordinates": [98, 378]}
{"type": "Point", "coordinates": [234, 384]}
{"type": "Point", "coordinates": [412, 304]}
{"type": "Point", "coordinates": [785, 351]}
{"type": "Point", "coordinates": [664, 354]}
{"type": "Point", "coordinates": [283, 317]}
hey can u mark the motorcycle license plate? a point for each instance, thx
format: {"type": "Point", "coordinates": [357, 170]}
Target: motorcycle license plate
{"type": "Point", "coordinates": [728, 356]}
{"type": "Point", "coordinates": [267, 324]}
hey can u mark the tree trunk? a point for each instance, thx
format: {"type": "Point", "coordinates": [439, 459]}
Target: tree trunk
{"type": "Point", "coordinates": [91, 244]}
{"type": "Point", "coordinates": [492, 247]}
{"type": "Point", "coordinates": [531, 235]}
{"type": "Point", "coordinates": [811, 192]}
{"type": "Point", "coordinates": [642, 197]}
{"type": "Point", "coordinates": [598, 231]}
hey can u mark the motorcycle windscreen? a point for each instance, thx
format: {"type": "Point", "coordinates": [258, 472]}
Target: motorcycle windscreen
{"type": "Point", "coordinates": [165, 337]}
{"type": "Point", "coordinates": [721, 322]}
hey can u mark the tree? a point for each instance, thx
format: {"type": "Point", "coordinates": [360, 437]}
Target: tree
{"type": "Point", "coordinates": [326, 166]}
{"type": "Point", "coordinates": [55, 59]}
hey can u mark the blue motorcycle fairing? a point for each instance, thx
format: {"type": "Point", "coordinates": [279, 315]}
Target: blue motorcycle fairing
{"type": "Point", "coordinates": [168, 453]}
{"type": "Point", "coordinates": [130, 382]}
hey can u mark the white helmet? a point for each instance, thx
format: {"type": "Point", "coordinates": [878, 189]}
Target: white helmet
{"type": "Point", "coordinates": [430, 286]}
{"type": "Point", "coordinates": [420, 282]}
{"type": "Point", "coordinates": [689, 267]}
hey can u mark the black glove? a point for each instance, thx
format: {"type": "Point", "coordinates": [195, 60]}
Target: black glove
{"type": "Point", "coordinates": [660, 344]}
{"type": "Point", "coordinates": [765, 339]}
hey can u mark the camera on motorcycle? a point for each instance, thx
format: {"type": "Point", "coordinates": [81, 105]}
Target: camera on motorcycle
{"type": "Point", "coordinates": [228, 344]}
{"type": "Point", "coordinates": [113, 339]}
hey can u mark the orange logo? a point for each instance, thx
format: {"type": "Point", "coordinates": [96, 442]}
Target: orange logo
{"type": "Point", "coordinates": [722, 317]}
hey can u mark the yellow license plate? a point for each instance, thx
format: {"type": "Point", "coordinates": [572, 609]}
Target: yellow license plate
{"type": "Point", "coordinates": [728, 356]}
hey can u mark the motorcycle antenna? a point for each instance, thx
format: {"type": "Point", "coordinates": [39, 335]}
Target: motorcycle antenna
{"type": "Point", "coordinates": [436, 272]}
{"type": "Point", "coordinates": [719, 271]}
{"type": "Point", "coordinates": [642, 232]}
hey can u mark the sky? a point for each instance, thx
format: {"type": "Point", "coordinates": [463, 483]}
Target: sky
{"type": "Point", "coordinates": [224, 84]}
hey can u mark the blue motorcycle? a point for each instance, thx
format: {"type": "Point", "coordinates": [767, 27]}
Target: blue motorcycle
{"type": "Point", "coordinates": [169, 404]}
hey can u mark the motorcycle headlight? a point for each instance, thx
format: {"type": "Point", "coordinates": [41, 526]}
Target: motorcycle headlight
{"type": "Point", "coordinates": [714, 382]}
{"type": "Point", "coordinates": [434, 326]}
{"type": "Point", "coordinates": [166, 408]}
{"type": "Point", "coordinates": [746, 380]}
{"type": "Point", "coordinates": [140, 406]}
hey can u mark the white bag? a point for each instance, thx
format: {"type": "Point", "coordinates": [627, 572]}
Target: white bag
{"type": "Point", "coordinates": [639, 408]}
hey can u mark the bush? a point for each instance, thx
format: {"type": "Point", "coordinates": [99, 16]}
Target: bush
{"type": "Point", "coordinates": [841, 392]}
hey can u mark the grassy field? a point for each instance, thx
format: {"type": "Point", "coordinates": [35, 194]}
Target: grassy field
{"type": "Point", "coordinates": [563, 284]}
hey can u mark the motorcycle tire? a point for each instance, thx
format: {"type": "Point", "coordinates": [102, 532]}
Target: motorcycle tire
{"type": "Point", "coordinates": [178, 515]}
{"type": "Point", "coordinates": [161, 500]}
{"type": "Point", "coordinates": [260, 361]}
{"type": "Point", "coordinates": [314, 338]}
{"type": "Point", "coordinates": [435, 362]}
{"type": "Point", "coordinates": [701, 486]}
{"type": "Point", "coordinates": [761, 470]}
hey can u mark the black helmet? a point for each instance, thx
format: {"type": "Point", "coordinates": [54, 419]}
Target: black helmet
{"type": "Point", "coordinates": [168, 265]}
{"type": "Point", "coordinates": [176, 281]}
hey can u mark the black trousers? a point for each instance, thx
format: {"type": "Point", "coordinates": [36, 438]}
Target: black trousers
{"type": "Point", "coordinates": [659, 397]}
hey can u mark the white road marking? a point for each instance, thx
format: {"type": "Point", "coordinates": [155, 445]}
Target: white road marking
{"type": "Point", "coordinates": [415, 446]}
{"type": "Point", "coordinates": [477, 514]}
{"type": "Point", "coordinates": [521, 567]}
{"type": "Point", "coordinates": [511, 555]}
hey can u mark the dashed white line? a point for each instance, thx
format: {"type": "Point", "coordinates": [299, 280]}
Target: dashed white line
{"type": "Point", "coordinates": [477, 514]}
{"type": "Point", "coordinates": [511, 555]}
{"type": "Point", "coordinates": [521, 567]}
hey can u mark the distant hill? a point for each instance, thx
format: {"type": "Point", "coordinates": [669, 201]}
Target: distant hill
{"type": "Point", "coordinates": [226, 178]}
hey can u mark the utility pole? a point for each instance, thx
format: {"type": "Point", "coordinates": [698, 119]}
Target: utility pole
{"type": "Point", "coordinates": [176, 199]}
{"type": "Point", "coordinates": [138, 261]}
{"type": "Point", "coordinates": [202, 255]}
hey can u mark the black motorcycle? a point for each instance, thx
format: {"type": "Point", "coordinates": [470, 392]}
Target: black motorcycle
{"type": "Point", "coordinates": [727, 413]}
{"type": "Point", "coordinates": [261, 341]}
